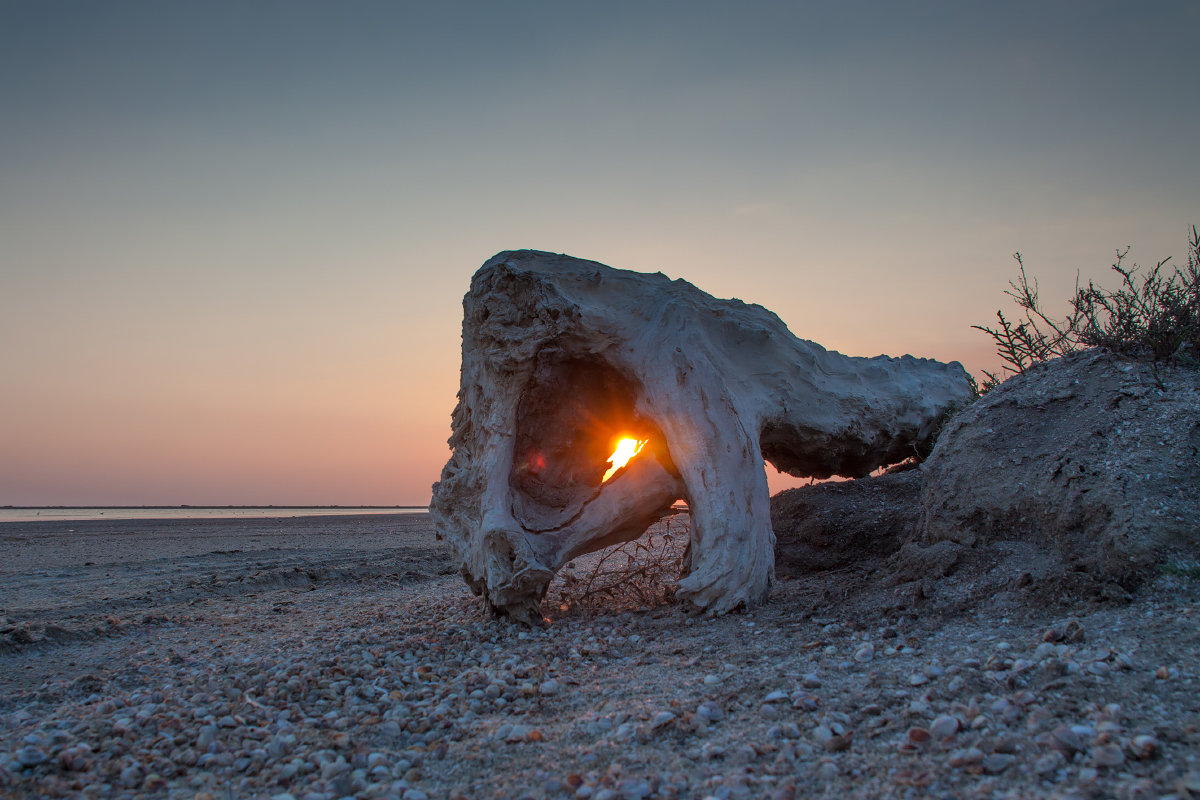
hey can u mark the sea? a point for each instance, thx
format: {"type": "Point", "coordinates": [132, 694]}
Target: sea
{"type": "Point", "coordinates": [65, 513]}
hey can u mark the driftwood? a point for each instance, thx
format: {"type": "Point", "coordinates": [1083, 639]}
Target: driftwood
{"type": "Point", "coordinates": [562, 357]}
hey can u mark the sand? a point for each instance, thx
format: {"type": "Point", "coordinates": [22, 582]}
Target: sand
{"type": "Point", "coordinates": [343, 657]}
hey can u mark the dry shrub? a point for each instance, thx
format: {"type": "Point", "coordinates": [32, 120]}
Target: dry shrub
{"type": "Point", "coordinates": [637, 574]}
{"type": "Point", "coordinates": [1153, 317]}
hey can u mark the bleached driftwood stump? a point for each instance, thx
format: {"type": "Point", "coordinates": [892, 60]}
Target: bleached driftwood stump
{"type": "Point", "coordinates": [561, 356]}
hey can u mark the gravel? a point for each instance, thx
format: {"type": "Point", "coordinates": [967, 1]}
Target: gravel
{"type": "Point", "coordinates": [401, 687]}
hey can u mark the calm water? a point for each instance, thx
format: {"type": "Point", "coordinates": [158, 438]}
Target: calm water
{"type": "Point", "coordinates": [197, 512]}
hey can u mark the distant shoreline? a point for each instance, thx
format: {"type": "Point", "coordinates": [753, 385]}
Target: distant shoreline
{"type": "Point", "coordinates": [183, 506]}
{"type": "Point", "coordinates": [11, 514]}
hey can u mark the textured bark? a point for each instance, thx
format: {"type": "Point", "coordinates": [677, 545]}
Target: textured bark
{"type": "Point", "coordinates": [561, 355]}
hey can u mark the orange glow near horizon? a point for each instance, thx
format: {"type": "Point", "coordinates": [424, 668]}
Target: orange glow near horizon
{"type": "Point", "coordinates": [627, 448]}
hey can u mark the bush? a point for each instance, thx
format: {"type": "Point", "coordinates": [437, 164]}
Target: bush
{"type": "Point", "coordinates": [641, 573]}
{"type": "Point", "coordinates": [1153, 317]}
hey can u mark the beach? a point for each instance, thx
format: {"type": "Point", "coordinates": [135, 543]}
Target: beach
{"type": "Point", "coordinates": [343, 657]}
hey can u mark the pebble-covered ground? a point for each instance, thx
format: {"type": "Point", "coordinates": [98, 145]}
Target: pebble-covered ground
{"type": "Point", "coordinates": [395, 684]}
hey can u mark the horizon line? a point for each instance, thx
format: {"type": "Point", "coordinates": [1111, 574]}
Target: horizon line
{"type": "Point", "coordinates": [187, 505]}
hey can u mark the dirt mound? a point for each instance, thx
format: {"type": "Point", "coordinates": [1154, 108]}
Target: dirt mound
{"type": "Point", "coordinates": [1085, 457]}
{"type": "Point", "coordinates": [1075, 480]}
{"type": "Point", "coordinates": [832, 525]}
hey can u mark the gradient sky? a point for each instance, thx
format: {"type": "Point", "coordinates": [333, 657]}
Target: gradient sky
{"type": "Point", "coordinates": [234, 237]}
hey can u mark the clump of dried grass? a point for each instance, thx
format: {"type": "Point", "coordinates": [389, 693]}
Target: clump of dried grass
{"type": "Point", "coordinates": [1153, 316]}
{"type": "Point", "coordinates": [643, 573]}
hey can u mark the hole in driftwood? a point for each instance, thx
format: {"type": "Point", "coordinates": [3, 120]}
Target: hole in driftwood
{"type": "Point", "coordinates": [576, 428]}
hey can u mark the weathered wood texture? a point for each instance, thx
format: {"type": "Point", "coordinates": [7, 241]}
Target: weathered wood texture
{"type": "Point", "coordinates": [561, 355]}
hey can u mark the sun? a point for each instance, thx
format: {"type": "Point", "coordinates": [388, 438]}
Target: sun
{"type": "Point", "coordinates": [627, 448]}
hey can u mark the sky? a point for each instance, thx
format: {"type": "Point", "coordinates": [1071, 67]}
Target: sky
{"type": "Point", "coordinates": [235, 236]}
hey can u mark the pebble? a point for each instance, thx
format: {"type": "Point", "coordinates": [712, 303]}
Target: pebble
{"type": "Point", "coordinates": [1144, 746]}
{"type": "Point", "coordinates": [1065, 740]}
{"type": "Point", "coordinates": [634, 789]}
{"type": "Point", "coordinates": [338, 715]}
{"type": "Point", "coordinates": [804, 701]}
{"type": "Point", "coordinates": [944, 727]}
{"type": "Point", "coordinates": [995, 763]}
{"type": "Point", "coordinates": [1045, 764]}
{"type": "Point", "coordinates": [966, 757]}
{"type": "Point", "coordinates": [1108, 755]}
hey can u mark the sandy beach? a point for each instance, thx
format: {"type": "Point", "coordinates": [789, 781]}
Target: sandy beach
{"type": "Point", "coordinates": [343, 657]}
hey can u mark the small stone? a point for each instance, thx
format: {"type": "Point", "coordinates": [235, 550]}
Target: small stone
{"type": "Point", "coordinates": [517, 733]}
{"type": "Point", "coordinates": [1144, 747]}
{"type": "Point", "coordinates": [864, 653]}
{"type": "Point", "coordinates": [944, 727]}
{"type": "Point", "coordinates": [967, 757]}
{"type": "Point", "coordinates": [918, 736]}
{"type": "Point", "coordinates": [208, 735]}
{"type": "Point", "coordinates": [31, 756]}
{"type": "Point", "coordinates": [810, 681]}
{"type": "Point", "coordinates": [414, 794]}
{"type": "Point", "coordinates": [995, 763]}
{"type": "Point", "coordinates": [711, 680]}
{"type": "Point", "coordinates": [634, 789]}
{"type": "Point", "coordinates": [1108, 755]}
{"type": "Point", "coordinates": [803, 701]}
{"type": "Point", "coordinates": [550, 687]}
{"type": "Point", "coordinates": [131, 777]}
{"type": "Point", "coordinates": [822, 734]}
{"type": "Point", "coordinates": [1048, 763]}
{"type": "Point", "coordinates": [840, 742]}
{"type": "Point", "coordinates": [661, 719]}
{"type": "Point", "coordinates": [1065, 741]}
{"type": "Point", "coordinates": [1007, 744]}
{"type": "Point", "coordinates": [918, 679]}
{"type": "Point", "coordinates": [1044, 650]}
{"type": "Point", "coordinates": [775, 697]}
